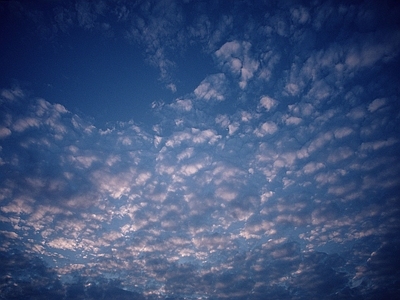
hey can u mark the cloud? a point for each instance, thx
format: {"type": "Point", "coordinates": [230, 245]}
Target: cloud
{"type": "Point", "coordinates": [373, 50]}
{"type": "Point", "coordinates": [343, 132]}
{"type": "Point", "coordinates": [4, 132]}
{"type": "Point", "coordinates": [340, 154]}
{"type": "Point", "coordinates": [266, 128]}
{"type": "Point", "coordinates": [213, 87]}
{"type": "Point", "coordinates": [212, 193]}
{"type": "Point", "coordinates": [23, 124]}
{"type": "Point", "coordinates": [376, 104]}
{"type": "Point", "coordinates": [235, 57]}
{"type": "Point", "coordinates": [320, 141]}
{"type": "Point", "coordinates": [293, 121]}
{"type": "Point", "coordinates": [158, 27]}
{"type": "Point", "coordinates": [12, 94]}
{"type": "Point", "coordinates": [300, 15]}
{"type": "Point", "coordinates": [63, 243]}
{"type": "Point", "coordinates": [378, 144]}
{"type": "Point", "coordinates": [268, 103]}
{"type": "Point", "coordinates": [312, 167]}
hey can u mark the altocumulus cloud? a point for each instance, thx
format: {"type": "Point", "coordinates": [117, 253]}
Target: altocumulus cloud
{"type": "Point", "coordinates": [276, 177]}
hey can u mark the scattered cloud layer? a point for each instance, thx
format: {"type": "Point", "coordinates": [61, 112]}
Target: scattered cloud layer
{"type": "Point", "coordinates": [276, 177]}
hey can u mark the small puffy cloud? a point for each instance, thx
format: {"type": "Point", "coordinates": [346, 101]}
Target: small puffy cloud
{"type": "Point", "coordinates": [63, 243]}
{"type": "Point", "coordinates": [312, 167]}
{"type": "Point", "coordinates": [12, 94]}
{"type": "Point", "coordinates": [191, 169]}
{"type": "Point", "coordinates": [201, 136]}
{"type": "Point", "coordinates": [320, 141]}
{"type": "Point", "coordinates": [180, 104]}
{"type": "Point", "coordinates": [83, 160]}
{"type": "Point", "coordinates": [9, 234]}
{"type": "Point", "coordinates": [187, 153]}
{"type": "Point", "coordinates": [301, 109]}
{"type": "Point", "coordinates": [292, 89]}
{"type": "Point", "coordinates": [293, 121]}
{"type": "Point", "coordinates": [342, 132]}
{"type": "Point", "coordinates": [268, 103]}
{"type": "Point", "coordinates": [376, 145]}
{"type": "Point", "coordinates": [300, 15]}
{"type": "Point", "coordinates": [229, 49]}
{"type": "Point", "coordinates": [235, 57]}
{"type": "Point", "coordinates": [212, 87]}
{"type": "Point", "coordinates": [4, 132]}
{"type": "Point", "coordinates": [373, 51]}
{"type": "Point", "coordinates": [20, 205]}
{"type": "Point", "coordinates": [357, 113]}
{"type": "Point", "coordinates": [171, 87]}
{"type": "Point", "coordinates": [376, 104]}
{"type": "Point", "coordinates": [226, 194]}
{"type": "Point", "coordinates": [222, 120]}
{"type": "Point", "coordinates": [22, 124]}
{"type": "Point", "coordinates": [246, 116]}
{"type": "Point", "coordinates": [266, 128]}
{"type": "Point", "coordinates": [232, 128]}
{"type": "Point", "coordinates": [340, 154]}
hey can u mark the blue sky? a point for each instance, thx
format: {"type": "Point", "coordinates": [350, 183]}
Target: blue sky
{"type": "Point", "coordinates": [199, 149]}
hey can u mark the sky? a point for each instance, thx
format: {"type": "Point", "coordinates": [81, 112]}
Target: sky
{"type": "Point", "coordinates": [199, 149]}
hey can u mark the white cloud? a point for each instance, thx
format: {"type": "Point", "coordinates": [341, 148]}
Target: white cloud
{"type": "Point", "coordinates": [249, 67]}
{"type": "Point", "coordinates": [177, 138]}
{"type": "Point", "coordinates": [301, 109]}
{"type": "Point", "coordinates": [292, 88]}
{"type": "Point", "coordinates": [312, 167]}
{"type": "Point", "coordinates": [4, 132]}
{"type": "Point", "coordinates": [226, 194]}
{"type": "Point", "coordinates": [222, 120]}
{"type": "Point", "coordinates": [63, 243]}
{"type": "Point", "coordinates": [300, 15]}
{"type": "Point", "coordinates": [157, 140]}
{"type": "Point", "coordinates": [320, 141]}
{"type": "Point", "coordinates": [235, 57]}
{"type": "Point", "coordinates": [340, 154]}
{"type": "Point", "coordinates": [82, 160]}
{"type": "Point", "coordinates": [12, 94]}
{"type": "Point", "coordinates": [268, 103]}
{"type": "Point", "coordinates": [343, 189]}
{"type": "Point", "coordinates": [357, 113]}
{"type": "Point", "coordinates": [181, 104]}
{"type": "Point", "coordinates": [200, 136]}
{"type": "Point", "coordinates": [342, 132]}
{"type": "Point", "coordinates": [372, 51]}
{"type": "Point", "coordinates": [246, 116]}
{"type": "Point", "coordinates": [293, 121]}
{"type": "Point", "coordinates": [378, 144]}
{"type": "Point", "coordinates": [232, 128]}
{"type": "Point", "coordinates": [187, 153]}
{"type": "Point", "coordinates": [376, 104]}
{"type": "Point", "coordinates": [266, 128]}
{"type": "Point", "coordinates": [189, 170]}
{"type": "Point", "coordinates": [22, 124]}
{"type": "Point", "coordinates": [20, 205]}
{"type": "Point", "coordinates": [212, 87]}
{"type": "Point", "coordinates": [171, 87]}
